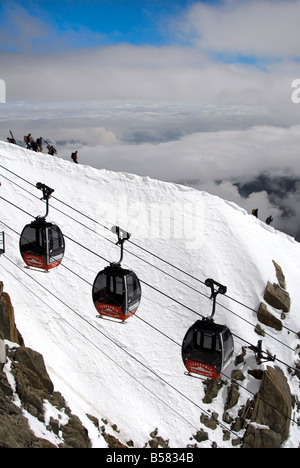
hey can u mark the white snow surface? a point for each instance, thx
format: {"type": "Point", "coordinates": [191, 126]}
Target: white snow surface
{"type": "Point", "coordinates": [132, 374]}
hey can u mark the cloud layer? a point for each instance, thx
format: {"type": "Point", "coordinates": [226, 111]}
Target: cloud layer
{"type": "Point", "coordinates": [214, 148]}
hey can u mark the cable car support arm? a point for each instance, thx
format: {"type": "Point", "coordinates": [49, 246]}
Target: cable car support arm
{"type": "Point", "coordinates": [122, 237]}
{"type": "Point", "coordinates": [47, 191]}
{"type": "Point", "coordinates": [214, 292]}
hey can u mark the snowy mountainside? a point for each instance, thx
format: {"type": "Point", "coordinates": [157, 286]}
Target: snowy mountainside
{"type": "Point", "coordinates": [133, 374]}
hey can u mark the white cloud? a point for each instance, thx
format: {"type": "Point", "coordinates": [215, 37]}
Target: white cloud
{"type": "Point", "coordinates": [170, 141]}
{"type": "Point", "coordinates": [209, 156]}
{"type": "Point", "coordinates": [22, 31]}
{"type": "Point", "coordinates": [130, 72]}
{"type": "Point", "coordinates": [257, 27]}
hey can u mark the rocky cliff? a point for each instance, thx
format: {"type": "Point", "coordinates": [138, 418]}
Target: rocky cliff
{"type": "Point", "coordinates": [26, 391]}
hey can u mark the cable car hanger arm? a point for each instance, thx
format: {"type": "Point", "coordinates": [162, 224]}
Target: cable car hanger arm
{"type": "Point", "coordinates": [122, 237]}
{"type": "Point", "coordinates": [221, 290]}
{"type": "Point", "coordinates": [47, 191]}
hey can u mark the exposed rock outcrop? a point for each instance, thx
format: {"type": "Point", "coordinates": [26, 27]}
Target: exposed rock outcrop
{"type": "Point", "coordinates": [267, 318]}
{"type": "Point", "coordinates": [277, 297]}
{"type": "Point", "coordinates": [279, 275]}
{"type": "Point", "coordinates": [14, 428]}
{"type": "Point", "coordinates": [31, 389]}
{"type": "Point", "coordinates": [8, 327]}
{"type": "Point", "coordinates": [272, 412]}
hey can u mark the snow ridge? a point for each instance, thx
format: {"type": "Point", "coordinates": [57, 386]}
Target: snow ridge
{"type": "Point", "coordinates": [133, 374]}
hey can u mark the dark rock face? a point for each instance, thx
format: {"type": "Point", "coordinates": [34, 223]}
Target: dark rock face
{"type": "Point", "coordinates": [8, 329]}
{"type": "Point", "coordinates": [33, 363]}
{"type": "Point", "coordinates": [261, 438]}
{"type": "Point", "coordinates": [14, 428]}
{"type": "Point", "coordinates": [273, 409]}
{"type": "Point", "coordinates": [267, 318]}
{"type": "Point", "coordinates": [277, 297]}
{"type": "Point", "coordinates": [33, 387]}
{"type": "Point", "coordinates": [279, 274]}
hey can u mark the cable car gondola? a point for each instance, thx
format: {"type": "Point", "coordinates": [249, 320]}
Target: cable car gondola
{"type": "Point", "coordinates": [42, 243]}
{"type": "Point", "coordinates": [207, 346]}
{"type": "Point", "coordinates": [117, 291]}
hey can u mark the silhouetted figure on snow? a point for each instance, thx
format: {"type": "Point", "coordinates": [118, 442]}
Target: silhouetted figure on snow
{"type": "Point", "coordinates": [269, 220]}
{"type": "Point", "coordinates": [51, 150]}
{"type": "Point", "coordinates": [74, 157]}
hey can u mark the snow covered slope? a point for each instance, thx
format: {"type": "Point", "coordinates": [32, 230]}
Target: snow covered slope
{"type": "Point", "coordinates": [132, 374]}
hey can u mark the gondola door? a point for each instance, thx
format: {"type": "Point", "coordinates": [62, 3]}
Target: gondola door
{"type": "Point", "coordinates": [133, 293]}
{"type": "Point", "coordinates": [55, 246]}
{"type": "Point", "coordinates": [109, 293]}
{"type": "Point", "coordinates": [32, 245]}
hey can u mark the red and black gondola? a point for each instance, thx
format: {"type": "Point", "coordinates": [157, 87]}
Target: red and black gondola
{"type": "Point", "coordinates": [116, 290]}
{"type": "Point", "coordinates": [207, 346]}
{"type": "Point", "coordinates": [42, 243]}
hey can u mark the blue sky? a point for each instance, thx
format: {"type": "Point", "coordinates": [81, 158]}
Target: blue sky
{"type": "Point", "coordinates": [132, 21]}
{"type": "Point", "coordinates": [136, 22]}
{"type": "Point", "coordinates": [243, 31]}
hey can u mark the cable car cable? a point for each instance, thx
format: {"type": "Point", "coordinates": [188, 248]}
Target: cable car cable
{"type": "Point", "coordinates": [106, 355]}
{"type": "Point", "coordinates": [196, 279]}
{"type": "Point", "coordinates": [159, 290]}
{"type": "Point", "coordinates": [282, 362]}
{"type": "Point", "coordinates": [142, 248]}
{"type": "Point", "coordinates": [154, 266]}
{"type": "Point", "coordinates": [249, 391]}
{"type": "Point", "coordinates": [90, 284]}
{"type": "Point", "coordinates": [126, 351]}
{"type": "Point", "coordinates": [159, 269]}
{"type": "Point", "coordinates": [100, 256]}
{"type": "Point", "coordinates": [182, 305]}
{"type": "Point", "coordinates": [128, 251]}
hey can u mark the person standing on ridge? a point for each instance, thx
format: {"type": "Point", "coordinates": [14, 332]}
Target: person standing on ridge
{"type": "Point", "coordinates": [74, 157]}
{"type": "Point", "coordinates": [39, 143]}
{"type": "Point", "coordinates": [51, 150]}
{"type": "Point", "coordinates": [269, 220]}
{"type": "Point", "coordinates": [28, 140]}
